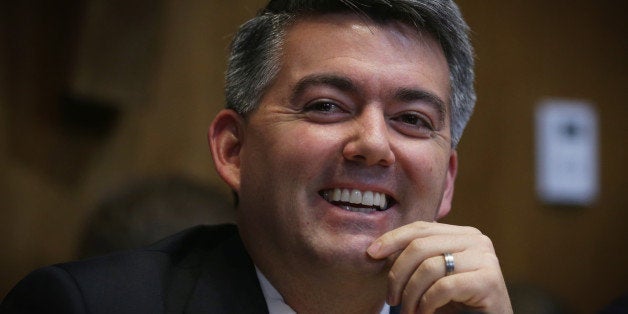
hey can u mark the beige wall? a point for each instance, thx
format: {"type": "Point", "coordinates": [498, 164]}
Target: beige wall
{"type": "Point", "coordinates": [526, 50]}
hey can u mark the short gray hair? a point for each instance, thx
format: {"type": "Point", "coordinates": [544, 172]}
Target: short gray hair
{"type": "Point", "coordinates": [256, 48]}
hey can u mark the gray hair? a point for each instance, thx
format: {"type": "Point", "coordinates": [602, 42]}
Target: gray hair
{"type": "Point", "coordinates": [256, 49]}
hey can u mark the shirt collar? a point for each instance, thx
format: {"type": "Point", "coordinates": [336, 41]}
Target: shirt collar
{"type": "Point", "coordinates": [275, 302]}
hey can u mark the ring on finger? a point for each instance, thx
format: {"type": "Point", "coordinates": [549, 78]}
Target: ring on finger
{"type": "Point", "coordinates": [449, 263]}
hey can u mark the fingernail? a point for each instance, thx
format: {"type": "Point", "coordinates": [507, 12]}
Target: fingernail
{"type": "Point", "coordinates": [374, 248]}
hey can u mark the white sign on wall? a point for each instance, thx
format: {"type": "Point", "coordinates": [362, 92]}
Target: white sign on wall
{"type": "Point", "coordinates": [566, 152]}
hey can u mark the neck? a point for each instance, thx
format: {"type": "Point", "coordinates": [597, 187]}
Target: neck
{"type": "Point", "coordinates": [313, 290]}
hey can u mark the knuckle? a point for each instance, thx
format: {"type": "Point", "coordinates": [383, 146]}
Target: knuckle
{"type": "Point", "coordinates": [393, 235]}
{"type": "Point", "coordinates": [444, 285]}
{"type": "Point", "coordinates": [387, 238]}
{"type": "Point", "coordinates": [491, 258]}
{"type": "Point", "coordinates": [425, 299]}
{"type": "Point", "coordinates": [392, 276]}
{"type": "Point", "coordinates": [417, 245]}
{"type": "Point", "coordinates": [430, 265]}
{"type": "Point", "coordinates": [486, 241]}
{"type": "Point", "coordinates": [472, 230]}
{"type": "Point", "coordinates": [406, 295]}
{"type": "Point", "coordinates": [492, 280]}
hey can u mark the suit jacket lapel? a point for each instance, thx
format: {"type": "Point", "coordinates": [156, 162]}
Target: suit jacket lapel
{"type": "Point", "coordinates": [228, 283]}
{"type": "Point", "coordinates": [220, 279]}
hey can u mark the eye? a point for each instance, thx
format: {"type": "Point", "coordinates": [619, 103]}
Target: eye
{"type": "Point", "coordinates": [325, 106]}
{"type": "Point", "coordinates": [413, 124]}
{"type": "Point", "coordinates": [325, 111]}
{"type": "Point", "coordinates": [410, 119]}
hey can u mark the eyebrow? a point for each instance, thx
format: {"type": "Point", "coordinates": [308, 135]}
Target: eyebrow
{"type": "Point", "coordinates": [333, 80]}
{"type": "Point", "coordinates": [410, 95]}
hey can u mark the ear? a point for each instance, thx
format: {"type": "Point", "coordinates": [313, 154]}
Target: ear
{"type": "Point", "coordinates": [448, 193]}
{"type": "Point", "coordinates": [225, 137]}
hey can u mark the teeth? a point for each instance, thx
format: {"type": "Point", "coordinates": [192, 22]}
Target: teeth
{"type": "Point", "coordinates": [367, 198]}
{"type": "Point", "coordinates": [356, 197]}
{"type": "Point", "coordinates": [382, 202]}
{"type": "Point", "coordinates": [365, 210]}
{"type": "Point", "coordinates": [376, 198]}
{"type": "Point", "coordinates": [345, 196]}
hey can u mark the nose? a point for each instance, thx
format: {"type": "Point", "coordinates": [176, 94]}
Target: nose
{"type": "Point", "coordinates": [370, 141]}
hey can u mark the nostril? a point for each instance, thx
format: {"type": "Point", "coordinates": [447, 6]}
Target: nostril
{"type": "Point", "coordinates": [370, 149]}
{"type": "Point", "coordinates": [359, 157]}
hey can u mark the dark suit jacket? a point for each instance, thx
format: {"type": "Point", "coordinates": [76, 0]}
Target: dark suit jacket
{"type": "Point", "coordinates": [204, 269]}
{"type": "Point", "coordinates": [200, 270]}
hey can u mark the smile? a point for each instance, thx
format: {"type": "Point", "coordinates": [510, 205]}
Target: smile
{"type": "Point", "coordinates": [357, 201]}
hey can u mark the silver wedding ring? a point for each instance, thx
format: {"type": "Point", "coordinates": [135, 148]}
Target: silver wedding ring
{"type": "Point", "coordinates": [449, 263]}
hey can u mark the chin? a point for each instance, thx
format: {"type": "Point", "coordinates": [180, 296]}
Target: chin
{"type": "Point", "coordinates": [361, 264]}
{"type": "Point", "coordinates": [348, 252]}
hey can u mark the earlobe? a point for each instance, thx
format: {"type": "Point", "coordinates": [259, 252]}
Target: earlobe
{"type": "Point", "coordinates": [225, 137]}
{"type": "Point", "coordinates": [448, 192]}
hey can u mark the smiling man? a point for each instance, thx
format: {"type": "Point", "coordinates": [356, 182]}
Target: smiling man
{"type": "Point", "coordinates": [339, 143]}
{"type": "Point", "coordinates": [343, 156]}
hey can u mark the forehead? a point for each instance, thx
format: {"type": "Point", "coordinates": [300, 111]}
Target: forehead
{"type": "Point", "coordinates": [350, 44]}
{"type": "Point", "coordinates": [358, 27]}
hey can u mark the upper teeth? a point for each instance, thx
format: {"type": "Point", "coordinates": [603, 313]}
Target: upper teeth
{"type": "Point", "coordinates": [368, 198]}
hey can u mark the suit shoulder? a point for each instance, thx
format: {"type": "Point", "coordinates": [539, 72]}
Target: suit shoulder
{"type": "Point", "coordinates": [203, 237]}
{"type": "Point", "coordinates": [47, 290]}
{"type": "Point", "coordinates": [145, 271]}
{"type": "Point", "coordinates": [134, 281]}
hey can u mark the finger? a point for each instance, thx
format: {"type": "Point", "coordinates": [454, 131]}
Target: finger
{"type": "Point", "coordinates": [481, 290]}
{"type": "Point", "coordinates": [425, 254]}
{"type": "Point", "coordinates": [427, 273]}
{"type": "Point", "coordinates": [397, 239]}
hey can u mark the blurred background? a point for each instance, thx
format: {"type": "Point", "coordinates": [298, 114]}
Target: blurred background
{"type": "Point", "coordinates": [98, 94]}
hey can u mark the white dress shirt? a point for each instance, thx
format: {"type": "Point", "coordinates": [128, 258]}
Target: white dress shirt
{"type": "Point", "coordinates": [275, 302]}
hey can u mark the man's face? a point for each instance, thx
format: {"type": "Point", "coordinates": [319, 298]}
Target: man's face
{"type": "Point", "coordinates": [357, 109]}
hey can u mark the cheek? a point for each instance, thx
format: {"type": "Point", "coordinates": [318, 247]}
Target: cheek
{"type": "Point", "coordinates": [291, 153]}
{"type": "Point", "coordinates": [311, 153]}
{"type": "Point", "coordinates": [425, 168]}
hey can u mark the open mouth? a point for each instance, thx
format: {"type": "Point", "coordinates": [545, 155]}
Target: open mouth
{"type": "Point", "coordinates": [358, 201]}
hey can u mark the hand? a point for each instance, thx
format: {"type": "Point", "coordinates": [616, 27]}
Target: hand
{"type": "Point", "coordinates": [417, 277]}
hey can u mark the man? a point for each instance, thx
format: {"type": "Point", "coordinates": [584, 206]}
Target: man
{"type": "Point", "coordinates": [339, 144]}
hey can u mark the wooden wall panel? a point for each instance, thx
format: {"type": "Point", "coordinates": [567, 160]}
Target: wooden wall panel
{"type": "Point", "coordinates": [526, 51]}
